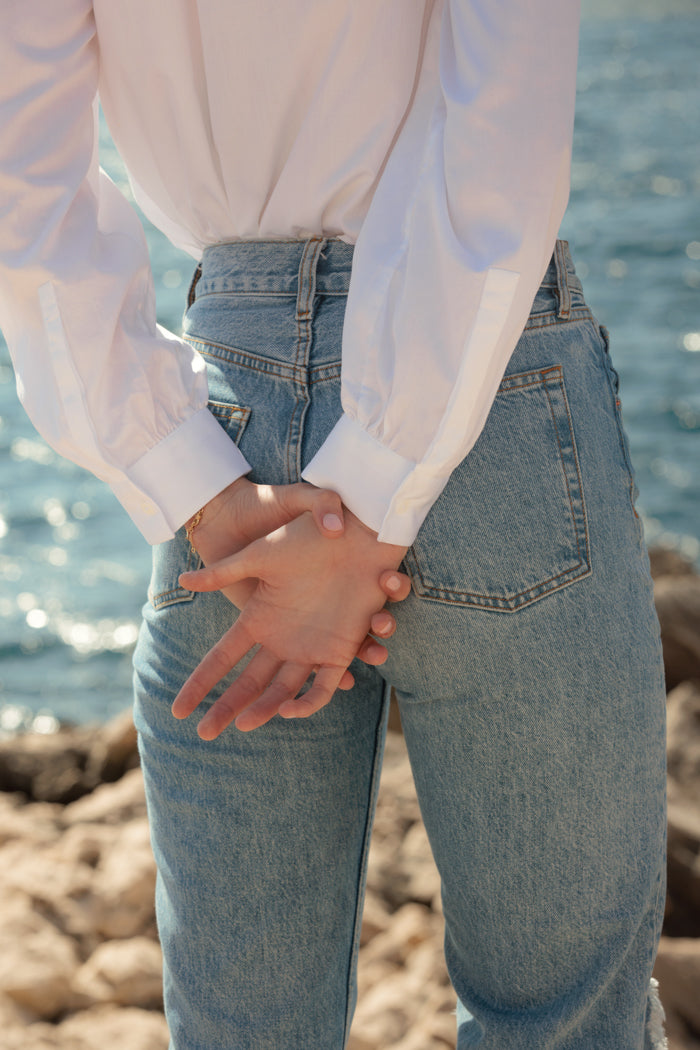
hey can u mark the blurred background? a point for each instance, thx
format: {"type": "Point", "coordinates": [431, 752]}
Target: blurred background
{"type": "Point", "coordinates": [74, 569]}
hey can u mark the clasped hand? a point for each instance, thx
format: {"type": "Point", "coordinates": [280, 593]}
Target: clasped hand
{"type": "Point", "coordinates": [310, 589]}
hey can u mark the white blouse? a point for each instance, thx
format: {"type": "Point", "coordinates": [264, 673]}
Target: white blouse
{"type": "Point", "coordinates": [434, 134]}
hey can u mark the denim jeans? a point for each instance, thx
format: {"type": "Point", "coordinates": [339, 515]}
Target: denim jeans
{"type": "Point", "coordinates": [527, 667]}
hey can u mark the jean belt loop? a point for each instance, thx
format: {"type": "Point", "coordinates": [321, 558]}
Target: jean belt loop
{"type": "Point", "coordinates": [191, 296]}
{"type": "Point", "coordinates": [307, 277]}
{"type": "Point", "coordinates": [563, 293]}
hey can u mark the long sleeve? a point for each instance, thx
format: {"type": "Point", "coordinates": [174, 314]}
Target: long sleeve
{"type": "Point", "coordinates": [450, 255]}
{"type": "Point", "coordinates": [103, 384]}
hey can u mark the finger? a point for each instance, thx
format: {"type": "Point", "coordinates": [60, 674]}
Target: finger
{"type": "Point", "coordinates": [250, 684]}
{"type": "Point", "coordinates": [228, 651]}
{"type": "Point", "coordinates": [286, 685]}
{"type": "Point", "coordinates": [347, 681]}
{"type": "Point", "coordinates": [383, 624]}
{"type": "Point", "coordinates": [396, 585]}
{"type": "Point", "coordinates": [244, 565]}
{"type": "Point", "coordinates": [371, 652]}
{"type": "Point", "coordinates": [325, 684]}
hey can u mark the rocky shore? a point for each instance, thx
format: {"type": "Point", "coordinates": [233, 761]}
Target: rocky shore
{"type": "Point", "coordinates": [79, 956]}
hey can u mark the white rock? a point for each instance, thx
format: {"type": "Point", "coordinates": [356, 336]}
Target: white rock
{"type": "Point", "coordinates": [677, 970]}
{"type": "Point", "coordinates": [37, 963]}
{"type": "Point", "coordinates": [114, 1028]}
{"type": "Point", "coordinates": [128, 973]}
{"type": "Point", "coordinates": [110, 803]}
{"type": "Point", "coordinates": [124, 884]}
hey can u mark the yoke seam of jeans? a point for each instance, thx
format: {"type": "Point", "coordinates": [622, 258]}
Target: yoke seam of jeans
{"type": "Point", "coordinates": [275, 369]}
{"type": "Point", "coordinates": [270, 293]}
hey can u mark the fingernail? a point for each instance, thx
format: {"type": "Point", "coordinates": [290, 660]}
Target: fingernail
{"type": "Point", "coordinates": [332, 522]}
{"type": "Point", "coordinates": [393, 583]}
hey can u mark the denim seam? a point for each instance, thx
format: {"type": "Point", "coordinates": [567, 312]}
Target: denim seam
{"type": "Point", "coordinates": [259, 293]}
{"type": "Point", "coordinates": [380, 736]}
{"type": "Point", "coordinates": [561, 461]}
{"type": "Point", "coordinates": [306, 291]}
{"type": "Point", "coordinates": [563, 291]}
{"type": "Point", "coordinates": [264, 365]}
{"type": "Point", "coordinates": [544, 320]}
{"type": "Point", "coordinates": [178, 594]}
{"type": "Point", "coordinates": [617, 410]}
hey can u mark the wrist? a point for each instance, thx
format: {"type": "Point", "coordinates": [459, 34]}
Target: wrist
{"type": "Point", "coordinates": [393, 551]}
{"type": "Point", "coordinates": [207, 513]}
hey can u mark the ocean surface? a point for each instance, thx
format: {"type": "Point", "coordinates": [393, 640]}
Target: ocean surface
{"type": "Point", "coordinates": [74, 569]}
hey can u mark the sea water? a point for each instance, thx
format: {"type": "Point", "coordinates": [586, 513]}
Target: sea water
{"type": "Point", "coordinates": [74, 569]}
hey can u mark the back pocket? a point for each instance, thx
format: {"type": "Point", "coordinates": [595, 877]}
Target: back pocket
{"type": "Point", "coordinates": [176, 556]}
{"type": "Point", "coordinates": [510, 526]}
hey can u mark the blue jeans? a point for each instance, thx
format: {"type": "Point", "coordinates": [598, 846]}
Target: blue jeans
{"type": "Point", "coordinates": [528, 672]}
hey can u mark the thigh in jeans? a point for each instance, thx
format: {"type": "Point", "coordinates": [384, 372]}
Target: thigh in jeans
{"type": "Point", "coordinates": [260, 838]}
{"type": "Point", "coordinates": [529, 675]}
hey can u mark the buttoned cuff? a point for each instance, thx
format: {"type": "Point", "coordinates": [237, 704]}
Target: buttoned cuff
{"type": "Point", "coordinates": [179, 475]}
{"type": "Point", "coordinates": [390, 494]}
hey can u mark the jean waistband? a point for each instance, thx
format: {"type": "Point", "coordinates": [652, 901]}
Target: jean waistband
{"type": "Point", "coordinates": [302, 268]}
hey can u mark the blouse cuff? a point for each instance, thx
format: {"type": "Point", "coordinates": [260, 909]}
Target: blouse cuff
{"type": "Point", "coordinates": [179, 475]}
{"type": "Point", "coordinates": [389, 493]}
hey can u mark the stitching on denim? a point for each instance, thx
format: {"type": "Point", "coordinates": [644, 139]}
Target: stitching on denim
{"type": "Point", "coordinates": [379, 744]}
{"type": "Point", "coordinates": [544, 320]}
{"type": "Point", "coordinates": [562, 281]}
{"type": "Point", "coordinates": [254, 293]}
{"type": "Point", "coordinates": [264, 365]}
{"type": "Point", "coordinates": [617, 412]}
{"type": "Point", "coordinates": [176, 595]}
{"type": "Point", "coordinates": [304, 316]}
{"type": "Point", "coordinates": [561, 459]}
{"type": "Point", "coordinates": [574, 572]}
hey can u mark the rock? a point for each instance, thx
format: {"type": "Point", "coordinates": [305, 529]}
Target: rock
{"type": "Point", "coordinates": [114, 1028]}
{"type": "Point", "coordinates": [677, 1034]}
{"type": "Point", "coordinates": [47, 768]}
{"type": "Point", "coordinates": [37, 963]}
{"type": "Point", "coordinates": [683, 728]}
{"type": "Point", "coordinates": [35, 1037]}
{"type": "Point", "coordinates": [57, 877]}
{"type": "Point", "coordinates": [665, 561]}
{"type": "Point", "coordinates": [683, 908]}
{"type": "Point", "coordinates": [128, 973]}
{"type": "Point", "coordinates": [12, 1015]}
{"type": "Point", "coordinates": [115, 750]}
{"type": "Point", "coordinates": [677, 601]}
{"type": "Point", "coordinates": [677, 970]}
{"type": "Point", "coordinates": [422, 881]}
{"type": "Point", "coordinates": [410, 927]}
{"type": "Point", "coordinates": [64, 766]}
{"type": "Point", "coordinates": [38, 823]}
{"type": "Point", "coordinates": [110, 803]}
{"type": "Point", "coordinates": [124, 884]}
{"type": "Point", "coordinates": [375, 918]}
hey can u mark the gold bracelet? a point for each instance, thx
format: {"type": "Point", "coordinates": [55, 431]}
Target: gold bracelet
{"type": "Point", "coordinates": [192, 524]}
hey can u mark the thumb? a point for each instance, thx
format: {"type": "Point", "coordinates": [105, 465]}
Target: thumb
{"type": "Point", "coordinates": [325, 506]}
{"type": "Point", "coordinates": [241, 566]}
{"type": "Point", "coordinates": [327, 512]}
